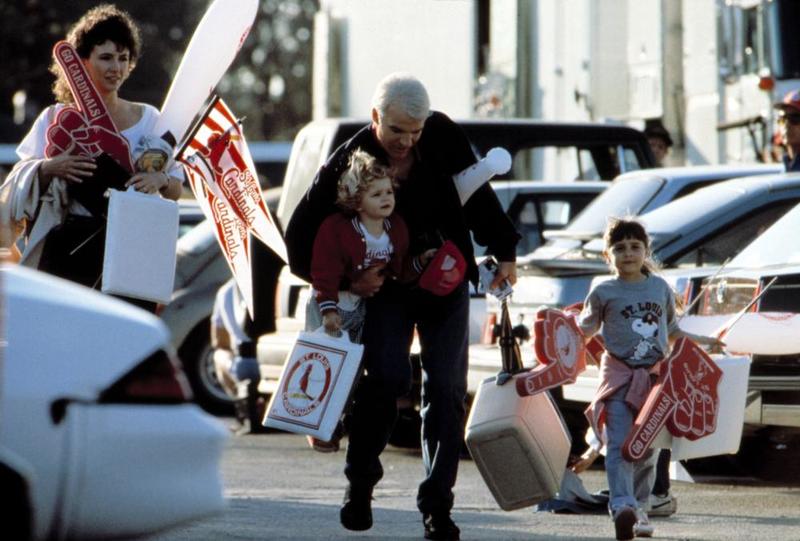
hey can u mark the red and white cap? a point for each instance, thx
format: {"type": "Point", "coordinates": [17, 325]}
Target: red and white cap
{"type": "Point", "coordinates": [790, 102]}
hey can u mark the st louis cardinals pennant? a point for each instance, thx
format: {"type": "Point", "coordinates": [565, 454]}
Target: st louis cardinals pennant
{"type": "Point", "coordinates": [222, 176]}
{"type": "Point", "coordinates": [218, 141]}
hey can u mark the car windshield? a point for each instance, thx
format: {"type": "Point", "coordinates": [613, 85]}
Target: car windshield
{"type": "Point", "coordinates": [620, 199]}
{"type": "Point", "coordinates": [675, 218]}
{"type": "Point", "coordinates": [775, 246]}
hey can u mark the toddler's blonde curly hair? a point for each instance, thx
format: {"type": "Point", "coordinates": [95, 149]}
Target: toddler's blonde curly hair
{"type": "Point", "coordinates": [362, 170]}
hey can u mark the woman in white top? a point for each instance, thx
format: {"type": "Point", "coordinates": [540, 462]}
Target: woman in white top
{"type": "Point", "coordinates": [37, 192]}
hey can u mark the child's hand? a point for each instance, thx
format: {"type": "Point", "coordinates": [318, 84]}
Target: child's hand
{"type": "Point", "coordinates": [715, 345]}
{"type": "Point", "coordinates": [586, 460]}
{"type": "Point", "coordinates": [332, 322]}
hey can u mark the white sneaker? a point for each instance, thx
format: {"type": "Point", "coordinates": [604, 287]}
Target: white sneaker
{"type": "Point", "coordinates": [663, 506]}
{"type": "Point", "coordinates": [642, 528]}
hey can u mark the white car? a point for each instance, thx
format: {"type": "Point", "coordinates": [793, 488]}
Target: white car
{"type": "Point", "coordinates": [97, 438]}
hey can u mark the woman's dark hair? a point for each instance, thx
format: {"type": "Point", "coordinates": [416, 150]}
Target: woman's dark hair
{"type": "Point", "coordinates": [100, 24]}
{"type": "Point", "coordinates": [619, 229]}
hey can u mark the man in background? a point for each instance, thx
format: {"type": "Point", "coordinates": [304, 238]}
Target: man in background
{"type": "Point", "coordinates": [789, 129]}
{"type": "Point", "coordinates": [659, 139]}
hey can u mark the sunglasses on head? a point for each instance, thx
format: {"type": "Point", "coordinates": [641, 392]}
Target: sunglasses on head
{"type": "Point", "coordinates": [791, 118]}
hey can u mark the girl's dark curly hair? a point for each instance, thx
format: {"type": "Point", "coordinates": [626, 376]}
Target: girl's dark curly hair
{"type": "Point", "coordinates": [100, 24]}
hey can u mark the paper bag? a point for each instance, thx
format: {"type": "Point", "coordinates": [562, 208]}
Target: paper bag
{"type": "Point", "coordinates": [315, 385]}
{"type": "Point", "coordinates": [141, 239]}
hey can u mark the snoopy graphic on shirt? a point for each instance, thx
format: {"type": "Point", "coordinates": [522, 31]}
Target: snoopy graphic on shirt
{"type": "Point", "coordinates": [646, 327]}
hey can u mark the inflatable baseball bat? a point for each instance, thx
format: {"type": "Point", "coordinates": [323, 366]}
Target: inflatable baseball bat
{"type": "Point", "coordinates": [214, 44]}
{"type": "Point", "coordinates": [496, 162]}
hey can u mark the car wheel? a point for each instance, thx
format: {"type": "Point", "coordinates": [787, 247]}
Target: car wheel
{"type": "Point", "coordinates": [197, 358]}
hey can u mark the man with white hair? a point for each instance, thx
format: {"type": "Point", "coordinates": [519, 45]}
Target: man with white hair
{"type": "Point", "coordinates": [425, 149]}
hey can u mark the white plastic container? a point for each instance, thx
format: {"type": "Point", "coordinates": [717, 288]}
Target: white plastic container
{"type": "Point", "coordinates": [519, 444]}
{"type": "Point", "coordinates": [141, 239]}
{"type": "Point", "coordinates": [726, 438]}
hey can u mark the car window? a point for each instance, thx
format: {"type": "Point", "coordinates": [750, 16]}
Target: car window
{"type": "Point", "coordinates": [630, 159]}
{"type": "Point", "coordinates": [533, 213]}
{"type": "Point", "coordinates": [777, 245]}
{"type": "Point", "coordinates": [693, 187]}
{"type": "Point", "coordinates": [570, 163]}
{"type": "Point", "coordinates": [587, 168]}
{"type": "Point", "coordinates": [731, 239]}
{"type": "Point", "coordinates": [301, 170]}
{"type": "Point", "coordinates": [620, 199]}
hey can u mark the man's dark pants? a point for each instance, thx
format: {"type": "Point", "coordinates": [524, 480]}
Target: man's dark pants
{"type": "Point", "coordinates": [443, 327]}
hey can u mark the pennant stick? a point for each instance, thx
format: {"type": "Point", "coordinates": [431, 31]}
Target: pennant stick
{"type": "Point", "coordinates": [212, 102]}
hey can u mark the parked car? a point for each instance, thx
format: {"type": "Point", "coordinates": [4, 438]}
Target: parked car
{"type": "Point", "coordinates": [774, 379]}
{"type": "Point", "coordinates": [772, 413]}
{"type": "Point", "coordinates": [639, 192]}
{"type": "Point", "coordinates": [729, 288]}
{"type": "Point", "coordinates": [702, 229]}
{"type": "Point", "coordinates": [190, 215]}
{"type": "Point", "coordinates": [538, 207]}
{"type": "Point", "coordinates": [97, 435]}
{"type": "Point", "coordinates": [200, 270]}
{"type": "Point", "coordinates": [559, 273]}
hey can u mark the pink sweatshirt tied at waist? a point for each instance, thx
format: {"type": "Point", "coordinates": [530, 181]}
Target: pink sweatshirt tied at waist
{"type": "Point", "coordinates": [615, 374]}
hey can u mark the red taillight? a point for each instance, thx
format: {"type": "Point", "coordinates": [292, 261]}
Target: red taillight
{"type": "Point", "coordinates": [156, 380]}
{"type": "Point", "coordinates": [706, 301]}
{"type": "Point", "coordinates": [756, 293]}
{"type": "Point", "coordinates": [488, 336]}
{"type": "Point", "coordinates": [687, 293]}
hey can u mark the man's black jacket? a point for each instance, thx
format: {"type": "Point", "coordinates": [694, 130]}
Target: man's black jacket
{"type": "Point", "coordinates": [427, 199]}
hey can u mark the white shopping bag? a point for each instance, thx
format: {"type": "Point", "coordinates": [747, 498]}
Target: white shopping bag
{"type": "Point", "coordinates": [315, 385]}
{"type": "Point", "coordinates": [141, 239]}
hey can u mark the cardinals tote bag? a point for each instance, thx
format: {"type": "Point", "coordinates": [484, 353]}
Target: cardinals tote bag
{"type": "Point", "coordinates": [315, 385]}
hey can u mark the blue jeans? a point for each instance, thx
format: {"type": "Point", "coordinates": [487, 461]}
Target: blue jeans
{"type": "Point", "coordinates": [629, 483]}
{"type": "Point", "coordinates": [442, 325]}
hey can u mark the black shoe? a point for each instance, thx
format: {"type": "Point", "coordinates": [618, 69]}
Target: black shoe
{"type": "Point", "coordinates": [624, 520]}
{"type": "Point", "coordinates": [356, 512]}
{"type": "Point", "coordinates": [440, 527]}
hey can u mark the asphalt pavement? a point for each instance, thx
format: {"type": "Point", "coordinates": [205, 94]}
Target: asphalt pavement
{"type": "Point", "coordinates": [277, 488]}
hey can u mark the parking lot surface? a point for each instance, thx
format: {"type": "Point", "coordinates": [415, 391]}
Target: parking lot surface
{"type": "Point", "coordinates": [277, 488]}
